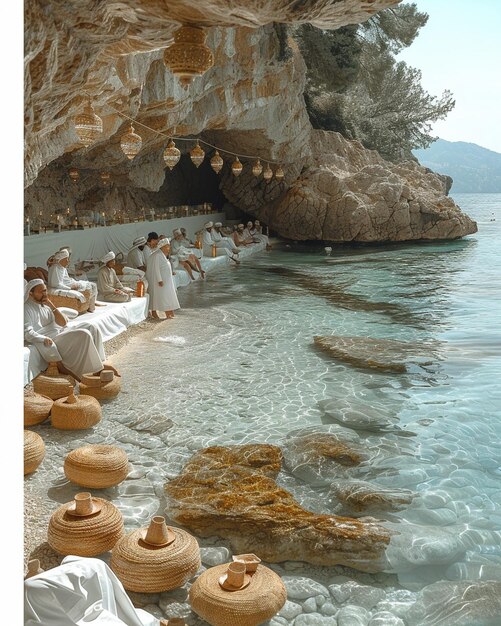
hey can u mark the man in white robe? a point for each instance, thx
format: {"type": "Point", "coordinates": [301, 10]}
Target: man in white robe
{"type": "Point", "coordinates": [187, 243]}
{"type": "Point", "coordinates": [208, 242]}
{"type": "Point", "coordinates": [241, 239]}
{"type": "Point", "coordinates": [76, 351]}
{"type": "Point", "coordinates": [163, 296]}
{"type": "Point", "coordinates": [151, 244]}
{"type": "Point", "coordinates": [259, 234]}
{"type": "Point", "coordinates": [60, 279]}
{"type": "Point", "coordinates": [135, 257]}
{"type": "Point", "coordinates": [184, 255]}
{"type": "Point", "coordinates": [77, 271]}
{"type": "Point", "coordinates": [109, 288]}
{"type": "Point", "coordinates": [221, 240]}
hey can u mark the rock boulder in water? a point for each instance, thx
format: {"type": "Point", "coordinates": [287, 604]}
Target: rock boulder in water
{"type": "Point", "coordinates": [357, 496]}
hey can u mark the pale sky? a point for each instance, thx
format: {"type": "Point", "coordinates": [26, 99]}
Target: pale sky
{"type": "Point", "coordinates": [460, 49]}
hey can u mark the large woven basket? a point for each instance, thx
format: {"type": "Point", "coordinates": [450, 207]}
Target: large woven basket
{"type": "Point", "coordinates": [148, 568]}
{"type": "Point", "coordinates": [53, 384]}
{"type": "Point", "coordinates": [259, 601]}
{"type": "Point", "coordinates": [96, 466]}
{"type": "Point", "coordinates": [71, 302]}
{"type": "Point", "coordinates": [93, 386]}
{"type": "Point", "coordinates": [75, 412]}
{"type": "Point", "coordinates": [37, 409]}
{"type": "Point", "coordinates": [34, 451]}
{"type": "Point", "coordinates": [86, 535]}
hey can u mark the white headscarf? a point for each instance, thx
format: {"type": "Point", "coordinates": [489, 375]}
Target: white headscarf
{"type": "Point", "coordinates": [138, 241]}
{"type": "Point", "coordinates": [62, 254]}
{"type": "Point", "coordinates": [218, 224]}
{"type": "Point", "coordinates": [176, 231]}
{"type": "Point", "coordinates": [29, 286]}
{"type": "Point", "coordinates": [66, 248]}
{"type": "Point", "coordinates": [208, 225]}
{"type": "Point", "coordinates": [163, 242]}
{"type": "Point", "coordinates": [108, 257]}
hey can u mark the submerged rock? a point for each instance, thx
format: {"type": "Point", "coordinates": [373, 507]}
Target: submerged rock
{"type": "Point", "coordinates": [386, 355]}
{"type": "Point", "coordinates": [231, 492]}
{"type": "Point", "coordinates": [358, 415]}
{"type": "Point", "coordinates": [465, 603]}
{"type": "Point", "coordinates": [364, 497]}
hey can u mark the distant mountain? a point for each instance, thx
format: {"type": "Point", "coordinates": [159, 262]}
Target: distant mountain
{"type": "Point", "coordinates": [474, 169]}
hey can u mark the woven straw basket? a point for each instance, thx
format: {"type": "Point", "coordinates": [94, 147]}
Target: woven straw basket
{"type": "Point", "coordinates": [71, 302]}
{"type": "Point", "coordinates": [87, 534]}
{"type": "Point", "coordinates": [75, 413]}
{"type": "Point", "coordinates": [53, 384]}
{"type": "Point", "coordinates": [255, 603]}
{"type": "Point", "coordinates": [34, 451]}
{"type": "Point", "coordinates": [37, 409]}
{"type": "Point", "coordinates": [96, 466]}
{"type": "Point", "coordinates": [93, 386]}
{"type": "Point", "coordinates": [149, 568]}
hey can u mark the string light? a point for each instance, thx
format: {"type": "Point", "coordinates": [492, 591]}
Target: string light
{"type": "Point", "coordinates": [257, 168]}
{"type": "Point", "coordinates": [171, 155]}
{"type": "Point", "coordinates": [268, 173]}
{"type": "Point", "coordinates": [130, 143]}
{"type": "Point", "coordinates": [279, 173]}
{"type": "Point", "coordinates": [237, 167]}
{"type": "Point", "coordinates": [74, 174]}
{"type": "Point", "coordinates": [88, 125]}
{"type": "Point", "coordinates": [197, 155]}
{"type": "Point", "coordinates": [217, 162]}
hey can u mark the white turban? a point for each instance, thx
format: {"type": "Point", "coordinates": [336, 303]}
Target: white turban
{"type": "Point", "coordinates": [108, 257]}
{"type": "Point", "coordinates": [29, 286]}
{"type": "Point", "coordinates": [176, 231]}
{"type": "Point", "coordinates": [138, 241]}
{"type": "Point", "coordinates": [163, 242]}
{"type": "Point", "coordinates": [240, 225]}
{"type": "Point", "coordinates": [62, 254]}
{"type": "Point", "coordinates": [218, 224]}
{"type": "Point", "coordinates": [208, 225]}
{"type": "Point", "coordinates": [66, 248]}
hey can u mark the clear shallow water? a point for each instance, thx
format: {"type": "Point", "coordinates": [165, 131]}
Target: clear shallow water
{"type": "Point", "coordinates": [248, 372]}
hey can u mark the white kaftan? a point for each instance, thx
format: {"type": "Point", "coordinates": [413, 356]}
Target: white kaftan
{"type": "Point", "coordinates": [80, 349]}
{"type": "Point", "coordinates": [60, 279]}
{"type": "Point", "coordinates": [107, 282]}
{"type": "Point", "coordinates": [135, 258]}
{"type": "Point", "coordinates": [207, 242]}
{"type": "Point", "coordinates": [147, 252]}
{"type": "Point", "coordinates": [159, 270]}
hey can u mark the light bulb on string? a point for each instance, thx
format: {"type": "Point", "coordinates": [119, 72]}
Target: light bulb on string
{"type": "Point", "coordinates": [88, 125]}
{"type": "Point", "coordinates": [197, 155]}
{"type": "Point", "coordinates": [217, 162]}
{"type": "Point", "coordinates": [237, 167]}
{"type": "Point", "coordinates": [268, 173]}
{"type": "Point", "coordinates": [257, 168]}
{"type": "Point", "coordinates": [171, 155]}
{"type": "Point", "coordinates": [279, 173]}
{"type": "Point", "coordinates": [131, 143]}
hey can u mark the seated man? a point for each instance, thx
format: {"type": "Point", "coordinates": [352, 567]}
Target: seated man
{"type": "Point", "coordinates": [240, 238]}
{"type": "Point", "coordinates": [109, 288]}
{"type": "Point", "coordinates": [60, 279]}
{"type": "Point", "coordinates": [76, 351]}
{"type": "Point", "coordinates": [220, 239]}
{"type": "Point", "coordinates": [208, 242]}
{"type": "Point", "coordinates": [184, 255]}
{"type": "Point", "coordinates": [135, 257]}
{"type": "Point", "coordinates": [187, 243]}
{"type": "Point", "coordinates": [77, 271]}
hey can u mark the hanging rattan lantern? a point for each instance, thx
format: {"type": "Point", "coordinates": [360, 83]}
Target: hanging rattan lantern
{"type": "Point", "coordinates": [279, 173]}
{"type": "Point", "coordinates": [257, 168]}
{"type": "Point", "coordinates": [217, 162]}
{"type": "Point", "coordinates": [171, 155]}
{"type": "Point", "coordinates": [74, 174]}
{"type": "Point", "coordinates": [131, 143]}
{"type": "Point", "coordinates": [88, 126]}
{"type": "Point", "coordinates": [268, 173]}
{"type": "Point", "coordinates": [197, 155]}
{"type": "Point", "coordinates": [188, 56]}
{"type": "Point", "coordinates": [105, 177]}
{"type": "Point", "coordinates": [236, 167]}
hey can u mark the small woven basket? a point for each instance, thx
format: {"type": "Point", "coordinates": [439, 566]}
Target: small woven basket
{"type": "Point", "coordinates": [144, 565]}
{"type": "Point", "coordinates": [255, 603]}
{"type": "Point", "coordinates": [75, 413]}
{"type": "Point", "coordinates": [94, 386]}
{"type": "Point", "coordinates": [34, 451]}
{"type": "Point", "coordinates": [96, 466]}
{"type": "Point", "coordinates": [85, 534]}
{"type": "Point", "coordinates": [71, 302]}
{"type": "Point", "coordinates": [37, 409]}
{"type": "Point", "coordinates": [53, 384]}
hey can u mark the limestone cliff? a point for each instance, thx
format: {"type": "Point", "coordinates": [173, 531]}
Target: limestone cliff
{"type": "Point", "coordinates": [250, 102]}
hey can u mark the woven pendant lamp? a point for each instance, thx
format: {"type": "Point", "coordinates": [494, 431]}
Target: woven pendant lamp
{"type": "Point", "coordinates": [105, 178]}
{"type": "Point", "coordinates": [74, 174]}
{"type": "Point", "coordinates": [34, 451]}
{"type": "Point", "coordinates": [37, 409]}
{"type": "Point", "coordinates": [86, 526]}
{"type": "Point", "coordinates": [279, 173]}
{"type": "Point", "coordinates": [171, 155]}
{"type": "Point", "coordinates": [197, 155]}
{"type": "Point", "coordinates": [96, 466]}
{"type": "Point", "coordinates": [75, 412]}
{"type": "Point", "coordinates": [257, 168]}
{"type": "Point", "coordinates": [155, 559]}
{"type": "Point", "coordinates": [256, 598]}
{"type": "Point", "coordinates": [217, 162]}
{"type": "Point", "coordinates": [106, 386]}
{"type": "Point", "coordinates": [88, 125]}
{"type": "Point", "coordinates": [131, 143]}
{"type": "Point", "coordinates": [268, 173]}
{"type": "Point", "coordinates": [237, 167]}
{"type": "Point", "coordinates": [188, 57]}
{"type": "Point", "coordinates": [53, 384]}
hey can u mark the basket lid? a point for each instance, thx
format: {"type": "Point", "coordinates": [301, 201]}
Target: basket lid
{"type": "Point", "coordinates": [158, 534]}
{"type": "Point", "coordinates": [227, 586]}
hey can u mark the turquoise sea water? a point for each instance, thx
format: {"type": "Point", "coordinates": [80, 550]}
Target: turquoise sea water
{"type": "Point", "coordinates": [248, 372]}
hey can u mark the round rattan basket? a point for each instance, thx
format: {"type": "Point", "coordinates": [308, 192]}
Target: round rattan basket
{"type": "Point", "coordinates": [85, 527]}
{"type": "Point", "coordinates": [102, 390]}
{"type": "Point", "coordinates": [147, 563]}
{"type": "Point", "coordinates": [34, 451]}
{"type": "Point", "coordinates": [255, 603]}
{"type": "Point", "coordinates": [96, 466]}
{"type": "Point", "coordinates": [37, 409]}
{"type": "Point", "coordinates": [75, 412]}
{"type": "Point", "coordinates": [53, 384]}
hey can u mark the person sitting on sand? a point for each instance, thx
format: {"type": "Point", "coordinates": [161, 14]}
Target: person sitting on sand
{"type": "Point", "coordinates": [110, 289]}
{"type": "Point", "coordinates": [60, 279]}
{"type": "Point", "coordinates": [76, 351]}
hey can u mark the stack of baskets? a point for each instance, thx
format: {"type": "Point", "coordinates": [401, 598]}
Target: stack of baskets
{"type": "Point", "coordinates": [96, 466]}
